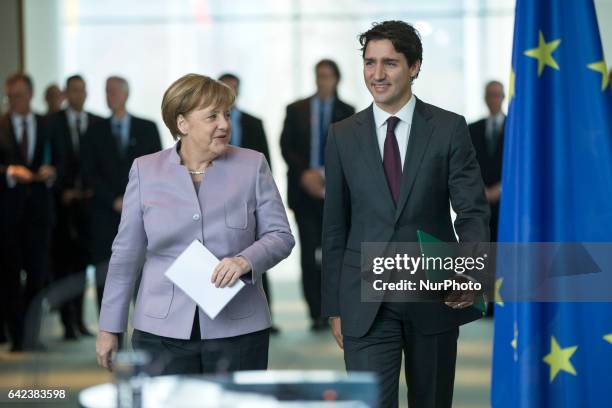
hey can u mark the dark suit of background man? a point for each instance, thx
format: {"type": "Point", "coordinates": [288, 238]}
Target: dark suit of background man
{"type": "Point", "coordinates": [28, 159]}
{"type": "Point", "coordinates": [109, 149]}
{"type": "Point", "coordinates": [70, 252]}
{"type": "Point", "coordinates": [488, 140]}
{"type": "Point", "coordinates": [392, 169]}
{"type": "Point", "coordinates": [248, 132]}
{"type": "Point", "coordinates": [302, 144]}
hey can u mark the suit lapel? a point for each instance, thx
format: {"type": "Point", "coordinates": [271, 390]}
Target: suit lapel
{"type": "Point", "coordinates": [366, 138]}
{"type": "Point", "coordinates": [130, 149]}
{"type": "Point", "coordinates": [66, 134]}
{"type": "Point", "coordinates": [420, 134]}
{"type": "Point", "coordinates": [39, 153]}
{"type": "Point", "coordinates": [304, 121]}
{"type": "Point", "coordinates": [16, 151]}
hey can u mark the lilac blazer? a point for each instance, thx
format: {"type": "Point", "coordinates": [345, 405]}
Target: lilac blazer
{"type": "Point", "coordinates": [238, 212]}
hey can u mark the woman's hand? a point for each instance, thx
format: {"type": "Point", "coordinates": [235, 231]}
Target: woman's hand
{"type": "Point", "coordinates": [229, 270]}
{"type": "Point", "coordinates": [106, 346]}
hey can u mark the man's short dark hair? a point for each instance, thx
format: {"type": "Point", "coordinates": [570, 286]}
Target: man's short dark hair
{"type": "Point", "coordinates": [74, 78]}
{"type": "Point", "coordinates": [331, 64]}
{"type": "Point", "coordinates": [20, 76]}
{"type": "Point", "coordinates": [404, 37]}
{"type": "Point", "coordinates": [230, 76]}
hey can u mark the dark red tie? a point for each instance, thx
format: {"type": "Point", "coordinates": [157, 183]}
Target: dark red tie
{"type": "Point", "coordinates": [392, 161]}
{"type": "Point", "coordinates": [24, 140]}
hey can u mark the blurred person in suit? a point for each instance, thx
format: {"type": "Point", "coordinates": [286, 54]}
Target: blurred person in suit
{"type": "Point", "coordinates": [224, 196]}
{"type": "Point", "coordinates": [302, 144]}
{"type": "Point", "coordinates": [54, 97]}
{"type": "Point", "coordinates": [393, 169]}
{"type": "Point", "coordinates": [70, 252]}
{"type": "Point", "coordinates": [248, 132]}
{"type": "Point", "coordinates": [488, 140]}
{"type": "Point", "coordinates": [28, 168]}
{"type": "Point", "coordinates": [109, 148]}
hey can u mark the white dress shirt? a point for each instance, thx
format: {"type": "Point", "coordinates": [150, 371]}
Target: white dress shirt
{"type": "Point", "coordinates": [17, 121]}
{"type": "Point", "coordinates": [72, 117]}
{"type": "Point", "coordinates": [402, 129]}
{"type": "Point", "coordinates": [495, 123]}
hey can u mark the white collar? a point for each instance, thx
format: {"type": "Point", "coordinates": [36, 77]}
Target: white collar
{"type": "Point", "coordinates": [498, 117]}
{"type": "Point", "coordinates": [16, 117]}
{"type": "Point", "coordinates": [74, 114]}
{"type": "Point", "coordinates": [404, 114]}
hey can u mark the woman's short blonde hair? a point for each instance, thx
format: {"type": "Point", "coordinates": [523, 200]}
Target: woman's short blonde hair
{"type": "Point", "coordinates": [192, 92]}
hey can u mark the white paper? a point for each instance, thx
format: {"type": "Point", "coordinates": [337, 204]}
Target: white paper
{"type": "Point", "coordinates": [192, 272]}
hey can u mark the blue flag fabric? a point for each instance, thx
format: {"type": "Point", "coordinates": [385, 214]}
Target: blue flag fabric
{"type": "Point", "coordinates": [557, 187]}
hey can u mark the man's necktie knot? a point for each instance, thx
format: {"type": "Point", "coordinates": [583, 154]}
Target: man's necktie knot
{"type": "Point", "coordinates": [392, 122]}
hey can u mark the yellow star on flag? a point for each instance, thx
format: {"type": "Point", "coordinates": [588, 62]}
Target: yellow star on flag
{"type": "Point", "coordinates": [514, 342]}
{"type": "Point", "coordinates": [608, 338]}
{"type": "Point", "coordinates": [559, 359]}
{"type": "Point", "coordinates": [600, 66]}
{"type": "Point", "coordinates": [498, 298]}
{"type": "Point", "coordinates": [511, 85]}
{"type": "Point", "coordinates": [543, 53]}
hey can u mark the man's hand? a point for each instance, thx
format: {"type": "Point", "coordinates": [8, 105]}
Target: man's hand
{"type": "Point", "coordinates": [313, 183]}
{"type": "Point", "coordinates": [21, 174]}
{"type": "Point", "coordinates": [118, 204]}
{"type": "Point", "coordinates": [45, 173]}
{"type": "Point", "coordinates": [336, 326]}
{"type": "Point", "coordinates": [493, 193]}
{"type": "Point", "coordinates": [459, 299]}
{"type": "Point", "coordinates": [69, 195]}
{"type": "Point", "coordinates": [106, 346]}
{"type": "Point", "coordinates": [229, 271]}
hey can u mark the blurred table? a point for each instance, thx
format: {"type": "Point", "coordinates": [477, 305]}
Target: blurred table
{"type": "Point", "coordinates": [251, 389]}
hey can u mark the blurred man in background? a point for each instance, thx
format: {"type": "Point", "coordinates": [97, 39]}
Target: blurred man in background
{"type": "Point", "coordinates": [248, 132]}
{"type": "Point", "coordinates": [302, 144]}
{"type": "Point", "coordinates": [70, 252]}
{"type": "Point", "coordinates": [28, 159]}
{"type": "Point", "coordinates": [488, 140]}
{"type": "Point", "coordinates": [54, 97]}
{"type": "Point", "coordinates": [109, 148]}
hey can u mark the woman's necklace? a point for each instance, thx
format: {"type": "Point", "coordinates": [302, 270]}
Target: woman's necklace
{"type": "Point", "coordinates": [200, 172]}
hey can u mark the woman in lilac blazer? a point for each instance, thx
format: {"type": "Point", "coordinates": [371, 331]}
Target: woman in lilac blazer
{"type": "Point", "coordinates": [203, 189]}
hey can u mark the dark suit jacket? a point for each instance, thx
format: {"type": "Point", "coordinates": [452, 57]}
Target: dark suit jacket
{"type": "Point", "coordinates": [106, 171]}
{"type": "Point", "coordinates": [440, 165]}
{"type": "Point", "coordinates": [70, 245]}
{"type": "Point", "coordinates": [490, 164]}
{"type": "Point", "coordinates": [60, 132]}
{"type": "Point", "coordinates": [295, 145]}
{"type": "Point", "coordinates": [253, 135]}
{"type": "Point", "coordinates": [29, 203]}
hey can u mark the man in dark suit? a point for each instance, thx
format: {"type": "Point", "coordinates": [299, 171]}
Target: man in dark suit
{"type": "Point", "coordinates": [109, 148]}
{"type": "Point", "coordinates": [302, 144]}
{"type": "Point", "coordinates": [70, 252]}
{"type": "Point", "coordinates": [28, 159]}
{"type": "Point", "coordinates": [488, 140]}
{"type": "Point", "coordinates": [248, 132]}
{"type": "Point", "coordinates": [391, 170]}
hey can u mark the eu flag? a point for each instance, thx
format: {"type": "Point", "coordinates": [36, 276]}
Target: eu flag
{"type": "Point", "coordinates": [557, 187]}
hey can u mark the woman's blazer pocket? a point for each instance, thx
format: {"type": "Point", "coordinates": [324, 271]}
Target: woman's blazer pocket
{"type": "Point", "coordinates": [236, 215]}
{"type": "Point", "coordinates": [158, 299]}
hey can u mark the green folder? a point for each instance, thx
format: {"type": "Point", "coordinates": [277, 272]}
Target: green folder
{"type": "Point", "coordinates": [433, 247]}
